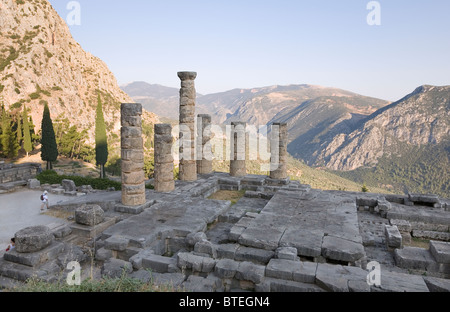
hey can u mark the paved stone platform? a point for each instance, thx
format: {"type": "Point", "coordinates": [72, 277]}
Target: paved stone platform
{"type": "Point", "coordinates": [281, 236]}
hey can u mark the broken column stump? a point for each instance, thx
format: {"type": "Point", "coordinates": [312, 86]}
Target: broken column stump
{"type": "Point", "coordinates": [164, 179]}
{"type": "Point", "coordinates": [133, 176]}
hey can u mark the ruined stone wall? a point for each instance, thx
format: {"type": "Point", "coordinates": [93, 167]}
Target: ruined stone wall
{"type": "Point", "coordinates": [14, 173]}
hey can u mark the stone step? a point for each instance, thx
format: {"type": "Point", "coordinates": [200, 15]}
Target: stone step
{"type": "Point", "coordinates": [159, 264]}
{"type": "Point", "coordinates": [440, 251]}
{"type": "Point", "coordinates": [420, 259]}
{"type": "Point", "coordinates": [297, 271]}
{"type": "Point", "coordinates": [279, 285]}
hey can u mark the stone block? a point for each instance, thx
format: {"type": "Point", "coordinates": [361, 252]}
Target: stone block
{"type": "Point", "coordinates": [444, 236]}
{"type": "Point", "coordinates": [287, 253]}
{"type": "Point", "coordinates": [437, 284]}
{"type": "Point", "coordinates": [281, 269]}
{"type": "Point", "coordinates": [424, 198]}
{"type": "Point", "coordinates": [62, 231]}
{"type": "Point", "coordinates": [400, 282]}
{"type": "Point", "coordinates": [393, 236]}
{"type": "Point", "coordinates": [33, 239]}
{"type": "Point", "coordinates": [200, 284]}
{"type": "Point", "coordinates": [195, 263]}
{"type": "Point", "coordinates": [57, 191]}
{"type": "Point", "coordinates": [336, 248]}
{"type": "Point", "coordinates": [262, 237]}
{"type": "Point", "coordinates": [69, 186]}
{"type": "Point", "coordinates": [194, 238]}
{"type": "Point", "coordinates": [157, 263]}
{"type": "Point", "coordinates": [402, 225]}
{"type": "Point", "coordinates": [205, 247]}
{"type": "Point", "coordinates": [33, 184]}
{"type": "Point", "coordinates": [249, 271]}
{"type": "Point", "coordinates": [115, 268]}
{"type": "Point", "coordinates": [305, 272]}
{"type": "Point", "coordinates": [440, 251]}
{"type": "Point", "coordinates": [226, 268]}
{"type": "Point", "coordinates": [415, 259]}
{"type": "Point", "coordinates": [255, 255]}
{"type": "Point", "coordinates": [36, 258]}
{"type": "Point", "coordinates": [277, 285]}
{"type": "Point", "coordinates": [307, 242]}
{"type": "Point", "coordinates": [90, 215]}
{"type": "Point", "coordinates": [136, 260]}
{"type": "Point", "coordinates": [227, 251]}
{"type": "Point", "coordinates": [117, 243]}
{"type": "Point", "coordinates": [103, 254]}
{"type": "Point", "coordinates": [88, 231]}
{"type": "Point", "coordinates": [366, 201]}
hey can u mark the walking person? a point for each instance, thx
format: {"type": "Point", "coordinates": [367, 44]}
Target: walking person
{"type": "Point", "coordinates": [44, 199]}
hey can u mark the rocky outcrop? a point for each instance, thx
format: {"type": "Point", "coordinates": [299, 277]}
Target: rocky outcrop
{"type": "Point", "coordinates": [40, 63]}
{"type": "Point", "coordinates": [420, 118]}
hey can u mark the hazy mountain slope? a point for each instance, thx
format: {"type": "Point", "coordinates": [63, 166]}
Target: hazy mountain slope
{"type": "Point", "coordinates": [40, 62]}
{"type": "Point", "coordinates": [421, 118]}
{"type": "Point", "coordinates": [161, 100]}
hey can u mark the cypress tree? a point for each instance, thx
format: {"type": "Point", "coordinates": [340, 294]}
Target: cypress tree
{"type": "Point", "coordinates": [8, 139]}
{"type": "Point", "coordinates": [19, 130]}
{"type": "Point", "coordinates": [101, 141]}
{"type": "Point", "coordinates": [1, 123]}
{"type": "Point", "coordinates": [27, 146]}
{"type": "Point", "coordinates": [49, 149]}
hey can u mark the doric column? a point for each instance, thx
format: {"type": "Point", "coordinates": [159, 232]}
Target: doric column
{"type": "Point", "coordinates": [204, 152]}
{"type": "Point", "coordinates": [133, 176]}
{"type": "Point", "coordinates": [164, 181]}
{"type": "Point", "coordinates": [278, 150]}
{"type": "Point", "coordinates": [188, 163]}
{"type": "Point", "coordinates": [238, 146]}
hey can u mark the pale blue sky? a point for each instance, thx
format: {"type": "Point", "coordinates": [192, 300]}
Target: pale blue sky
{"type": "Point", "coordinates": [255, 43]}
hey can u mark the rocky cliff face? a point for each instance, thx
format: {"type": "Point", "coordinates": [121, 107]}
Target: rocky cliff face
{"type": "Point", "coordinates": [421, 118]}
{"type": "Point", "coordinates": [40, 62]}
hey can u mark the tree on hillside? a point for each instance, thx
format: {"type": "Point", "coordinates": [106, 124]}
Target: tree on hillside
{"type": "Point", "coordinates": [49, 149]}
{"type": "Point", "coordinates": [10, 146]}
{"type": "Point", "coordinates": [19, 130]}
{"type": "Point", "coordinates": [101, 141]}
{"type": "Point", "coordinates": [27, 145]}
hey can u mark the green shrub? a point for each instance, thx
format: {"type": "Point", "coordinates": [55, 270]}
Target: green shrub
{"type": "Point", "coordinates": [51, 177]}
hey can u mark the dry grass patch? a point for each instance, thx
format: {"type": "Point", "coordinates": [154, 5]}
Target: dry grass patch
{"type": "Point", "coordinates": [232, 196]}
{"type": "Point", "coordinates": [60, 214]}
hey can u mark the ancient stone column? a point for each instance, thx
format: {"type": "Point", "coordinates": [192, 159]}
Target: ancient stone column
{"type": "Point", "coordinates": [133, 176]}
{"type": "Point", "coordinates": [164, 180]}
{"type": "Point", "coordinates": [238, 146]}
{"type": "Point", "coordinates": [278, 150]}
{"type": "Point", "coordinates": [188, 162]}
{"type": "Point", "coordinates": [204, 151]}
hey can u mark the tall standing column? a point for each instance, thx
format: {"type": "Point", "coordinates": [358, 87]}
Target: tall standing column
{"type": "Point", "coordinates": [204, 151]}
{"type": "Point", "coordinates": [238, 149]}
{"type": "Point", "coordinates": [188, 163]}
{"type": "Point", "coordinates": [164, 181]}
{"type": "Point", "coordinates": [278, 150]}
{"type": "Point", "coordinates": [132, 145]}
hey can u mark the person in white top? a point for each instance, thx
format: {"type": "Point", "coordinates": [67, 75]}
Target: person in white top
{"type": "Point", "coordinates": [44, 199]}
{"type": "Point", "coordinates": [12, 245]}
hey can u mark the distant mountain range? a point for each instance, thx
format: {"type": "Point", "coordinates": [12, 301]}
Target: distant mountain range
{"type": "Point", "coordinates": [339, 130]}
